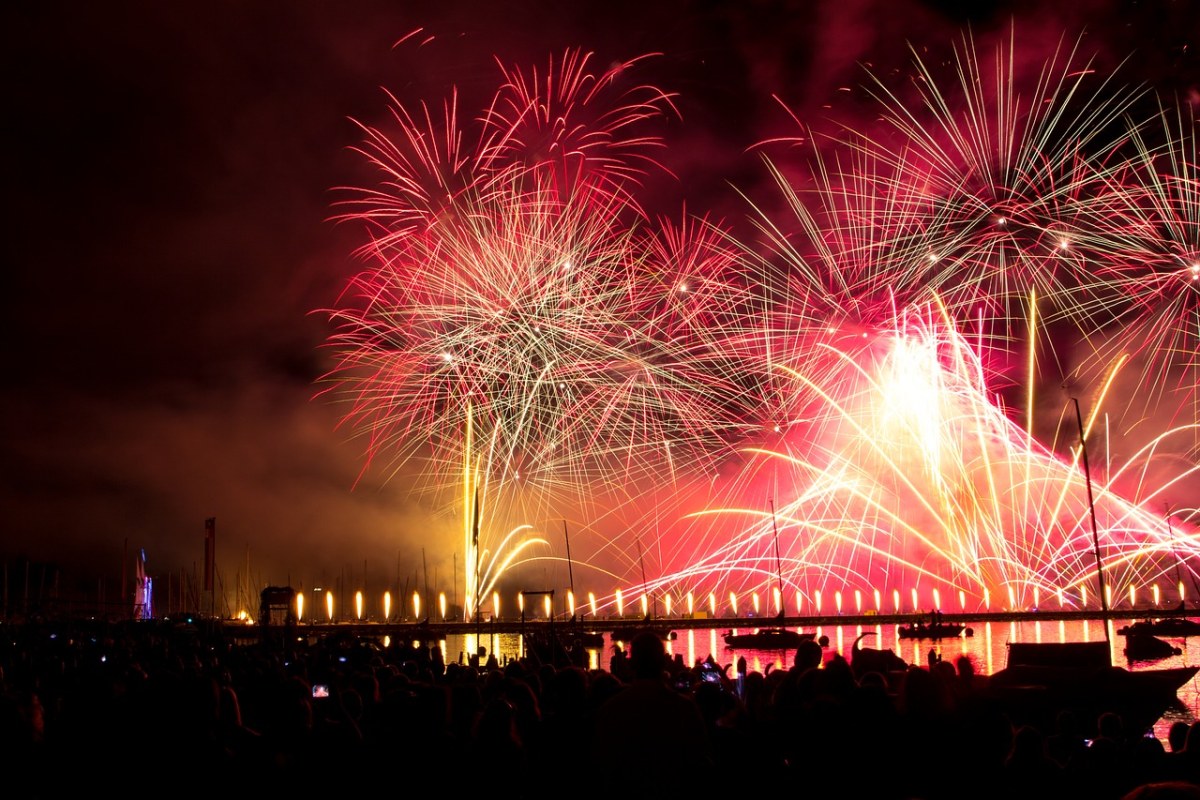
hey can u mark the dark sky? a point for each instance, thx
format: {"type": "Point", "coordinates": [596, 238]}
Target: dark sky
{"type": "Point", "coordinates": [169, 170]}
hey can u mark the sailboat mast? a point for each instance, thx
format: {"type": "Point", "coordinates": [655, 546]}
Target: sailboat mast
{"type": "Point", "coordinates": [645, 584]}
{"type": "Point", "coordinates": [778, 564]}
{"type": "Point", "coordinates": [1171, 539]}
{"type": "Point", "coordinates": [475, 545]}
{"type": "Point", "coordinates": [1087, 474]}
{"type": "Point", "coordinates": [1179, 561]}
{"type": "Point", "coordinates": [570, 568]}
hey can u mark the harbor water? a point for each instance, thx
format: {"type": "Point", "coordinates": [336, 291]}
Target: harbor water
{"type": "Point", "coordinates": [986, 647]}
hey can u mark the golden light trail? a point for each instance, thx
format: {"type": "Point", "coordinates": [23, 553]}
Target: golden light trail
{"type": "Point", "coordinates": [358, 604]}
{"type": "Point", "coordinates": [300, 606]}
{"type": "Point", "coordinates": [1031, 370]}
{"type": "Point", "coordinates": [329, 604]}
{"type": "Point", "coordinates": [387, 606]}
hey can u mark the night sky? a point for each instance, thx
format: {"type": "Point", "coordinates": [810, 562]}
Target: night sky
{"type": "Point", "coordinates": [171, 173]}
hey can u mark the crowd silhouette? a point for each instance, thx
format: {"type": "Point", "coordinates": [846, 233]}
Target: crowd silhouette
{"type": "Point", "coordinates": [88, 704]}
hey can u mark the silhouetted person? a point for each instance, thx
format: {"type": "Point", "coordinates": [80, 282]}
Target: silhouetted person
{"type": "Point", "coordinates": [650, 735]}
{"type": "Point", "coordinates": [1067, 742]}
{"type": "Point", "coordinates": [1177, 736]}
{"type": "Point", "coordinates": [496, 747]}
{"type": "Point", "coordinates": [1029, 771]}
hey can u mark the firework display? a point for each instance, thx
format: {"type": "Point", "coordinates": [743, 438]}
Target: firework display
{"type": "Point", "coordinates": [882, 378]}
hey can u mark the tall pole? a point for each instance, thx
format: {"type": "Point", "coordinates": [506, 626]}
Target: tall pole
{"type": "Point", "coordinates": [570, 568]}
{"type": "Point", "coordinates": [1087, 474]}
{"type": "Point", "coordinates": [1178, 561]}
{"type": "Point", "coordinates": [425, 571]}
{"type": "Point", "coordinates": [778, 564]}
{"type": "Point", "coordinates": [645, 585]}
{"type": "Point", "coordinates": [475, 512]}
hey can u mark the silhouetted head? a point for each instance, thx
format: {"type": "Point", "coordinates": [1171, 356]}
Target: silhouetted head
{"type": "Point", "coordinates": [808, 655]}
{"type": "Point", "coordinates": [647, 655]}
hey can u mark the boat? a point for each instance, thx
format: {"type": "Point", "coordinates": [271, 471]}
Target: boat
{"type": "Point", "coordinates": [575, 637]}
{"type": "Point", "coordinates": [934, 630]}
{"type": "Point", "coordinates": [1166, 626]}
{"type": "Point", "coordinates": [767, 639]}
{"type": "Point", "coordinates": [872, 659]}
{"type": "Point", "coordinates": [777, 637]}
{"type": "Point", "coordinates": [1148, 647]}
{"type": "Point", "coordinates": [1039, 680]}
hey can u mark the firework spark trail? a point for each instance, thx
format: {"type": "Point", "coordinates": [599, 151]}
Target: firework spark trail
{"type": "Point", "coordinates": [576, 124]}
{"type": "Point", "coordinates": [524, 282]}
{"type": "Point", "coordinates": [973, 190]}
{"type": "Point", "coordinates": [920, 478]}
{"type": "Point", "coordinates": [977, 201]}
{"type": "Point", "coordinates": [567, 330]}
{"type": "Point", "coordinates": [848, 365]}
{"type": "Point", "coordinates": [1152, 285]}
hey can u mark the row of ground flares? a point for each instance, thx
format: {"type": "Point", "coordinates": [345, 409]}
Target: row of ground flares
{"type": "Point", "coordinates": [645, 605]}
